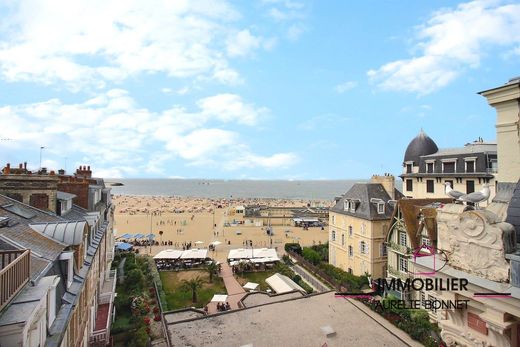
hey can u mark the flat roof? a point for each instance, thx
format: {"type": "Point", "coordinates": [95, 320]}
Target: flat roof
{"type": "Point", "coordinates": [296, 322]}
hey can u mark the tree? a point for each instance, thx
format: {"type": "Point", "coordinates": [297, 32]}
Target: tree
{"type": "Point", "coordinates": [192, 285]}
{"type": "Point", "coordinates": [311, 255]}
{"type": "Point", "coordinates": [135, 280]}
{"type": "Point", "coordinates": [212, 269]}
{"type": "Point", "coordinates": [242, 267]}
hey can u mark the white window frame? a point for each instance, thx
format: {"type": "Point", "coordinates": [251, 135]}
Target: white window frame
{"type": "Point", "coordinates": [425, 240]}
{"type": "Point", "coordinates": [402, 263]}
{"type": "Point", "coordinates": [454, 161]}
{"type": "Point", "coordinates": [350, 251]}
{"type": "Point", "coordinates": [363, 247]}
{"type": "Point", "coordinates": [346, 205]}
{"type": "Point", "coordinates": [381, 208]}
{"type": "Point", "coordinates": [333, 235]}
{"type": "Point", "coordinates": [403, 236]}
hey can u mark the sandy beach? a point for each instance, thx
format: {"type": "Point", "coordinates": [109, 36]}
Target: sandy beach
{"type": "Point", "coordinates": [185, 219]}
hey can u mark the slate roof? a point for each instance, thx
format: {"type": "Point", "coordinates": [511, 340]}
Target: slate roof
{"type": "Point", "coordinates": [363, 192]}
{"type": "Point", "coordinates": [470, 148]}
{"type": "Point", "coordinates": [421, 145]}
{"type": "Point", "coordinates": [20, 235]}
{"type": "Point", "coordinates": [65, 196]}
{"type": "Point", "coordinates": [67, 232]}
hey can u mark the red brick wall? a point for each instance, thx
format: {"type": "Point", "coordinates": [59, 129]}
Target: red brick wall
{"type": "Point", "coordinates": [475, 323]}
{"type": "Point", "coordinates": [40, 201]}
{"type": "Point", "coordinates": [77, 187]}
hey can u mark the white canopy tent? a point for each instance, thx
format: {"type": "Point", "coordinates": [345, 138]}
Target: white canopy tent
{"type": "Point", "coordinates": [219, 298]}
{"type": "Point", "coordinates": [266, 254]}
{"type": "Point", "coordinates": [168, 254]}
{"type": "Point", "coordinates": [282, 284]}
{"type": "Point", "coordinates": [194, 253]}
{"type": "Point", "coordinates": [251, 286]}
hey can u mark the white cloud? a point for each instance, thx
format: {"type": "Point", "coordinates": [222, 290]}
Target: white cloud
{"type": "Point", "coordinates": [345, 87]}
{"type": "Point", "coordinates": [88, 42]}
{"type": "Point", "coordinates": [242, 43]}
{"type": "Point", "coordinates": [328, 120]}
{"type": "Point", "coordinates": [118, 138]}
{"type": "Point", "coordinates": [451, 41]}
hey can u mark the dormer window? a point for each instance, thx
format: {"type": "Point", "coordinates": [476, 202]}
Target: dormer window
{"type": "Point", "coordinates": [346, 205]}
{"type": "Point", "coordinates": [381, 208]}
{"type": "Point", "coordinates": [353, 206]}
{"type": "Point", "coordinates": [409, 167]}
{"type": "Point", "coordinates": [470, 164]}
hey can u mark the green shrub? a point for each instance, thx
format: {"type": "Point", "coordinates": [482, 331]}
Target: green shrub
{"type": "Point", "coordinates": [287, 260]}
{"type": "Point", "coordinates": [311, 256]}
{"type": "Point", "coordinates": [293, 247]}
{"type": "Point", "coordinates": [139, 339]}
{"type": "Point", "coordinates": [135, 281]}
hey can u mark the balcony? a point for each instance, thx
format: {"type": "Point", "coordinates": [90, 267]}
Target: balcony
{"type": "Point", "coordinates": [15, 270]}
{"type": "Point", "coordinates": [399, 248]}
{"type": "Point", "coordinates": [101, 334]}
{"type": "Point", "coordinates": [398, 274]}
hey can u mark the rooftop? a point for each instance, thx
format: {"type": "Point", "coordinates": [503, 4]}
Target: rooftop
{"type": "Point", "coordinates": [295, 322]}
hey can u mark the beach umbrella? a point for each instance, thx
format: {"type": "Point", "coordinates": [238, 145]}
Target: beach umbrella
{"type": "Point", "coordinates": [150, 236]}
{"type": "Point", "coordinates": [123, 246]}
{"type": "Point", "coordinates": [126, 236]}
{"type": "Point", "coordinates": [138, 236]}
{"type": "Point", "coordinates": [199, 242]}
{"type": "Point", "coordinates": [216, 243]}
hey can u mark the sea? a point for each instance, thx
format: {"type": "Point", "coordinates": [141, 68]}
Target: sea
{"type": "Point", "coordinates": [229, 189]}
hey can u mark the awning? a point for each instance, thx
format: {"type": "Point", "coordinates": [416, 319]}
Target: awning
{"type": "Point", "coordinates": [216, 243]}
{"type": "Point", "coordinates": [219, 298]}
{"type": "Point", "coordinates": [282, 284]}
{"type": "Point", "coordinates": [138, 236]}
{"type": "Point", "coordinates": [168, 254]}
{"type": "Point", "coordinates": [198, 242]}
{"type": "Point", "coordinates": [150, 236]}
{"type": "Point", "coordinates": [251, 285]}
{"type": "Point", "coordinates": [195, 253]}
{"type": "Point", "coordinates": [126, 236]}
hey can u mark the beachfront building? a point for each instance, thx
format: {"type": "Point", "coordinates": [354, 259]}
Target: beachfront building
{"type": "Point", "coordinates": [426, 168]}
{"type": "Point", "coordinates": [57, 286]}
{"type": "Point", "coordinates": [358, 224]}
{"type": "Point", "coordinates": [259, 215]}
{"type": "Point", "coordinates": [413, 230]}
{"type": "Point", "coordinates": [481, 246]}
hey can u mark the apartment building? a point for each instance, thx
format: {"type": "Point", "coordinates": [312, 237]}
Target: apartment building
{"type": "Point", "coordinates": [358, 224]}
{"type": "Point", "coordinates": [57, 286]}
{"type": "Point", "coordinates": [426, 168]}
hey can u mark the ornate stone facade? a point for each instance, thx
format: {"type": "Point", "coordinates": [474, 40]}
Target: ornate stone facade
{"type": "Point", "coordinates": [476, 241]}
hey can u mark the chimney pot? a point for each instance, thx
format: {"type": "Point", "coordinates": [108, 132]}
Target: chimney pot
{"type": "Point", "coordinates": [21, 166]}
{"type": "Point", "coordinates": [25, 165]}
{"type": "Point", "coordinates": [88, 168]}
{"type": "Point", "coordinates": [52, 173]}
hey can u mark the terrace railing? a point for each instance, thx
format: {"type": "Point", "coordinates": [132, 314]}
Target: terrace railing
{"type": "Point", "coordinates": [15, 271]}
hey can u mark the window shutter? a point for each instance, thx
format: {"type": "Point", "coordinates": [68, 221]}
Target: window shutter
{"type": "Point", "coordinates": [367, 248]}
{"type": "Point", "coordinates": [360, 247]}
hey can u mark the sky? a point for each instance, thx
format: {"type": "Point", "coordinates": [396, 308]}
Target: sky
{"type": "Point", "coordinates": [268, 89]}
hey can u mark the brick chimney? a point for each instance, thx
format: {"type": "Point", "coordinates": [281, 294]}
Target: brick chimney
{"type": "Point", "coordinates": [7, 169]}
{"type": "Point", "coordinates": [387, 181]}
{"type": "Point", "coordinates": [83, 172]}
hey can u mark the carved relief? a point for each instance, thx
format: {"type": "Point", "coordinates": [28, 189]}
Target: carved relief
{"type": "Point", "coordinates": [475, 241]}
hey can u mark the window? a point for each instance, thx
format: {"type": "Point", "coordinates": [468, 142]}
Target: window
{"type": "Point", "coordinates": [346, 205]}
{"type": "Point", "coordinates": [342, 239]}
{"type": "Point", "coordinates": [333, 219]}
{"type": "Point", "coordinates": [425, 241]}
{"type": "Point", "coordinates": [333, 235]}
{"type": "Point", "coordinates": [493, 166]}
{"type": "Point", "coordinates": [350, 230]}
{"type": "Point", "coordinates": [402, 238]}
{"type": "Point", "coordinates": [352, 206]}
{"type": "Point", "coordinates": [429, 167]}
{"type": "Point", "coordinates": [430, 186]}
{"type": "Point", "coordinates": [470, 186]}
{"type": "Point", "coordinates": [409, 185]}
{"type": "Point", "coordinates": [363, 247]}
{"type": "Point", "coordinates": [448, 167]}
{"type": "Point", "coordinates": [40, 201]}
{"type": "Point", "coordinates": [349, 270]}
{"type": "Point", "coordinates": [381, 208]}
{"type": "Point", "coordinates": [477, 323]}
{"type": "Point", "coordinates": [350, 251]}
{"type": "Point", "coordinates": [470, 166]}
{"type": "Point", "coordinates": [382, 250]}
{"type": "Point", "coordinates": [409, 168]}
{"type": "Point", "coordinates": [403, 263]}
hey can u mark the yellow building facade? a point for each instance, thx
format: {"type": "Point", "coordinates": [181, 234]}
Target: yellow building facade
{"type": "Point", "coordinates": [358, 223]}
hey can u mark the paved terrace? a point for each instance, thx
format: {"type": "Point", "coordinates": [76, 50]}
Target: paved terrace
{"type": "Point", "coordinates": [234, 289]}
{"type": "Point", "coordinates": [294, 322]}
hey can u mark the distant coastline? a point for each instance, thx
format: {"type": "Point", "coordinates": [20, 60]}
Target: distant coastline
{"type": "Point", "coordinates": [245, 189]}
